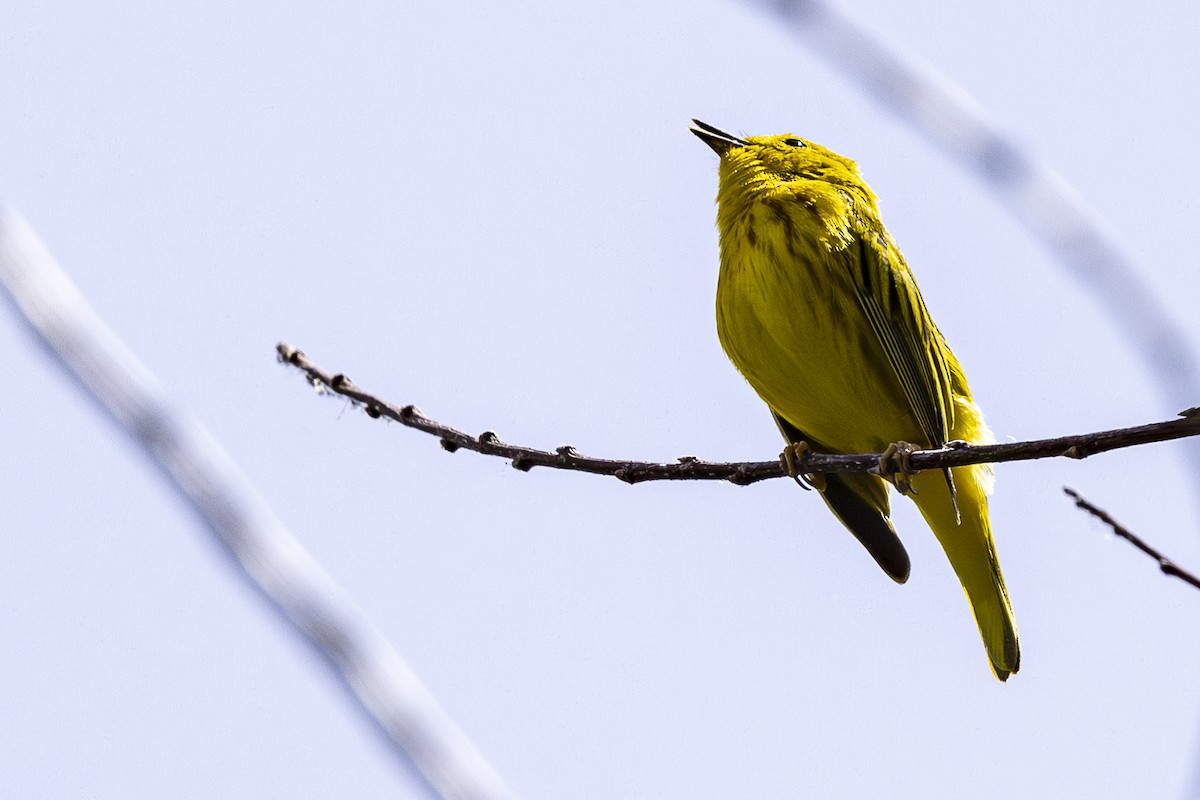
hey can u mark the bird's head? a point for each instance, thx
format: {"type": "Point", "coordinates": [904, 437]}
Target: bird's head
{"type": "Point", "coordinates": [767, 161]}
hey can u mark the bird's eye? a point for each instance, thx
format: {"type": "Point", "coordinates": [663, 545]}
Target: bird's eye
{"type": "Point", "coordinates": [794, 143]}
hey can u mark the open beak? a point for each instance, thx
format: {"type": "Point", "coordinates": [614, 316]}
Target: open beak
{"type": "Point", "coordinates": [717, 139]}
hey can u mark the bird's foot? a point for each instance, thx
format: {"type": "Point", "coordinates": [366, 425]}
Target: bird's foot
{"type": "Point", "coordinates": [894, 466]}
{"type": "Point", "coordinates": [792, 460]}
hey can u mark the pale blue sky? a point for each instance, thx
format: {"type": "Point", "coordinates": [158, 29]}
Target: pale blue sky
{"type": "Point", "coordinates": [498, 214]}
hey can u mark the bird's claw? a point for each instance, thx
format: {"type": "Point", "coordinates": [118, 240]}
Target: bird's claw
{"type": "Point", "coordinates": [895, 466]}
{"type": "Point", "coordinates": [792, 459]}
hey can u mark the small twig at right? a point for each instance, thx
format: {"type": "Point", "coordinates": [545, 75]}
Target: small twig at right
{"type": "Point", "coordinates": [1165, 564]}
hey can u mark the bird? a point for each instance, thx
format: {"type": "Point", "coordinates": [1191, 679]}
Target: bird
{"type": "Point", "coordinates": [818, 310]}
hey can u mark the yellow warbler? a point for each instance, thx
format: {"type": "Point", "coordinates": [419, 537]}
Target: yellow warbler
{"type": "Point", "coordinates": [818, 310]}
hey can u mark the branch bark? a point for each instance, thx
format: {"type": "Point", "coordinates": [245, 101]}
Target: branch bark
{"type": "Point", "coordinates": [741, 473]}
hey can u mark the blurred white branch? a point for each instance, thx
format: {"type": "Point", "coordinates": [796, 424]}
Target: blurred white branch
{"type": "Point", "coordinates": [266, 553]}
{"type": "Point", "coordinates": [1041, 200]}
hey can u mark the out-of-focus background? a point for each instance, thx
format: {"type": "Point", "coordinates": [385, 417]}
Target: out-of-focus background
{"type": "Point", "coordinates": [497, 213]}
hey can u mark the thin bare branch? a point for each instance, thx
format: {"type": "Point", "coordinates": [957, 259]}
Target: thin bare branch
{"type": "Point", "coordinates": [741, 473]}
{"type": "Point", "coordinates": [387, 692]}
{"type": "Point", "coordinates": [1165, 564]}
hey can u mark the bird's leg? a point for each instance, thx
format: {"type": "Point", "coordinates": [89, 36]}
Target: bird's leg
{"type": "Point", "coordinates": [792, 459]}
{"type": "Point", "coordinates": [894, 466]}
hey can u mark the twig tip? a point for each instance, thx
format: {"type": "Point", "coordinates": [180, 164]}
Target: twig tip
{"type": "Point", "coordinates": [287, 353]}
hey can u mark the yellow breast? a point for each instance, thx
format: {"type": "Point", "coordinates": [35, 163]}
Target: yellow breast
{"type": "Point", "coordinates": [789, 319]}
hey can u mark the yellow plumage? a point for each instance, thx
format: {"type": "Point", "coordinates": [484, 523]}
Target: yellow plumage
{"type": "Point", "coordinates": [819, 311]}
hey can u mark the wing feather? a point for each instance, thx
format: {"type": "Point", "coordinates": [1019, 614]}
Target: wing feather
{"type": "Point", "coordinates": [892, 304]}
